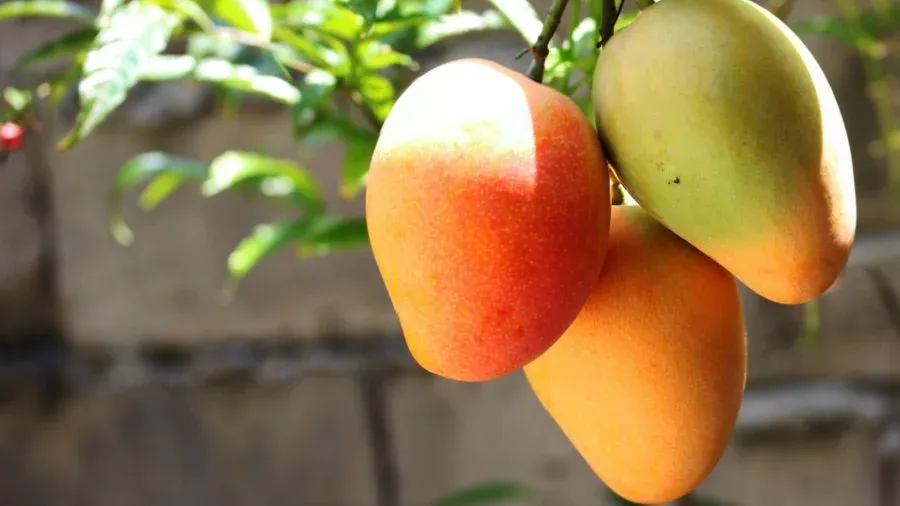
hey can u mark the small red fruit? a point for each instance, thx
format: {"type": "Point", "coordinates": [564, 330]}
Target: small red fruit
{"type": "Point", "coordinates": [12, 136]}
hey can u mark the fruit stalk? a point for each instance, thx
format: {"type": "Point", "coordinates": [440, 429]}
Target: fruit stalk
{"type": "Point", "coordinates": [541, 47]}
{"type": "Point", "coordinates": [610, 15]}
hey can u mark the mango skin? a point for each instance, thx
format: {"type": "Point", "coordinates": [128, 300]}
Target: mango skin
{"type": "Point", "coordinates": [721, 124]}
{"type": "Point", "coordinates": [648, 381]}
{"type": "Point", "coordinates": [488, 211]}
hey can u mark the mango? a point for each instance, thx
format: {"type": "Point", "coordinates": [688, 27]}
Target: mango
{"type": "Point", "coordinates": [721, 124]}
{"type": "Point", "coordinates": [648, 381]}
{"type": "Point", "coordinates": [488, 213]}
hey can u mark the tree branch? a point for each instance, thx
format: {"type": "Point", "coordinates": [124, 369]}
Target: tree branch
{"type": "Point", "coordinates": [609, 16]}
{"type": "Point", "coordinates": [541, 48]}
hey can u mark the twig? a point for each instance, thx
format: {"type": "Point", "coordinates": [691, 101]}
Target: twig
{"type": "Point", "coordinates": [610, 15]}
{"type": "Point", "coordinates": [541, 48]}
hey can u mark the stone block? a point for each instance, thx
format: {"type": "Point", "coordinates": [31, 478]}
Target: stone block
{"type": "Point", "coordinates": [168, 284]}
{"type": "Point", "coordinates": [451, 435]}
{"type": "Point", "coordinates": [858, 337]}
{"type": "Point", "coordinates": [299, 445]}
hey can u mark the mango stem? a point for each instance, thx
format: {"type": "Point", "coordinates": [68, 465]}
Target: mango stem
{"type": "Point", "coordinates": [541, 48]}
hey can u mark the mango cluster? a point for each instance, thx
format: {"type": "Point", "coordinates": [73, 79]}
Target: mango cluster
{"type": "Point", "coordinates": [491, 221]}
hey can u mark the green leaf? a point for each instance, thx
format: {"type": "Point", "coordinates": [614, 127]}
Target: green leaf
{"type": "Point", "coordinates": [276, 176]}
{"type": "Point", "coordinates": [249, 15]}
{"type": "Point", "coordinates": [841, 29]}
{"type": "Point", "coordinates": [378, 93]}
{"type": "Point", "coordinates": [376, 55]}
{"type": "Point", "coordinates": [522, 16]}
{"type": "Point", "coordinates": [328, 234]}
{"type": "Point", "coordinates": [368, 9]}
{"type": "Point", "coordinates": [18, 100]}
{"type": "Point", "coordinates": [264, 240]}
{"type": "Point", "coordinates": [159, 188]}
{"type": "Point", "coordinates": [453, 25]}
{"type": "Point", "coordinates": [625, 19]}
{"type": "Point", "coordinates": [72, 42]}
{"type": "Point", "coordinates": [107, 7]}
{"type": "Point", "coordinates": [485, 494]}
{"type": "Point", "coordinates": [357, 159]}
{"type": "Point", "coordinates": [331, 57]}
{"type": "Point", "coordinates": [315, 91]}
{"type": "Point", "coordinates": [322, 16]}
{"type": "Point", "coordinates": [45, 8]}
{"type": "Point", "coordinates": [221, 72]}
{"type": "Point", "coordinates": [136, 32]}
{"type": "Point", "coordinates": [144, 167]}
{"type": "Point", "coordinates": [191, 10]}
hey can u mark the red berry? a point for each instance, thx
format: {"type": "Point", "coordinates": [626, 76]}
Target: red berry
{"type": "Point", "coordinates": [11, 136]}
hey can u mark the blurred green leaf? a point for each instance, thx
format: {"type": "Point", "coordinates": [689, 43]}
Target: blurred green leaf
{"type": "Point", "coordinates": [264, 240]}
{"type": "Point", "coordinates": [355, 168]}
{"type": "Point", "coordinates": [190, 9]}
{"type": "Point", "coordinates": [75, 41]}
{"type": "Point", "coordinates": [326, 56]}
{"type": "Point", "coordinates": [378, 93]}
{"type": "Point", "coordinates": [485, 494]}
{"type": "Point", "coordinates": [360, 144]}
{"type": "Point", "coordinates": [138, 31]}
{"type": "Point", "coordinates": [18, 100]}
{"type": "Point", "coordinates": [249, 15]}
{"type": "Point", "coordinates": [368, 9]}
{"type": "Point", "coordinates": [325, 17]}
{"type": "Point", "coordinates": [328, 234]}
{"type": "Point", "coordinates": [276, 176]}
{"type": "Point", "coordinates": [625, 19]}
{"type": "Point", "coordinates": [315, 91]}
{"type": "Point", "coordinates": [221, 72]}
{"type": "Point", "coordinates": [376, 55]}
{"type": "Point", "coordinates": [453, 25]}
{"type": "Point", "coordinates": [107, 7]}
{"type": "Point", "coordinates": [522, 16]}
{"type": "Point", "coordinates": [142, 168]}
{"type": "Point", "coordinates": [45, 8]}
{"type": "Point", "coordinates": [841, 29]}
{"type": "Point", "coordinates": [202, 45]}
{"type": "Point", "coordinates": [160, 188]}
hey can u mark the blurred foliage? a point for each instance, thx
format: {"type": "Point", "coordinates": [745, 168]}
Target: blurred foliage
{"type": "Point", "coordinates": [337, 65]}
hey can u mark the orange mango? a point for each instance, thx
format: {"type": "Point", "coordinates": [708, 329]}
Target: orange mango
{"type": "Point", "coordinates": [488, 211]}
{"type": "Point", "coordinates": [648, 381]}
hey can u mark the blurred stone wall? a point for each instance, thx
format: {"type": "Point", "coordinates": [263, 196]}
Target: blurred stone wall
{"type": "Point", "coordinates": [362, 426]}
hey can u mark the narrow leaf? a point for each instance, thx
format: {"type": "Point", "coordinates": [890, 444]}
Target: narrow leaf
{"type": "Point", "coordinates": [250, 15]}
{"type": "Point", "coordinates": [72, 42]}
{"type": "Point", "coordinates": [356, 164]}
{"type": "Point", "coordinates": [160, 188]}
{"type": "Point", "coordinates": [45, 8]}
{"type": "Point", "coordinates": [328, 234]}
{"type": "Point", "coordinates": [453, 25]}
{"type": "Point", "coordinates": [378, 93]}
{"type": "Point", "coordinates": [485, 494]}
{"type": "Point", "coordinates": [191, 10]}
{"type": "Point", "coordinates": [139, 169]}
{"type": "Point", "coordinates": [264, 240]}
{"type": "Point", "coordinates": [136, 32]}
{"type": "Point", "coordinates": [287, 177]}
{"type": "Point", "coordinates": [522, 16]}
{"type": "Point", "coordinates": [316, 89]}
{"type": "Point", "coordinates": [323, 16]}
{"type": "Point", "coordinates": [221, 72]}
{"type": "Point", "coordinates": [376, 55]}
